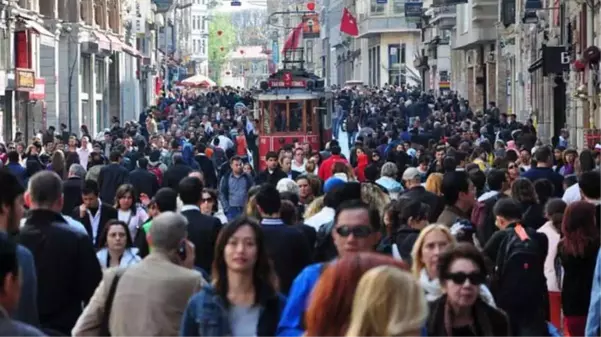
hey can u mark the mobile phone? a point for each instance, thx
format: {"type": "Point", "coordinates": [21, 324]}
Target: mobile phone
{"type": "Point", "coordinates": [182, 251]}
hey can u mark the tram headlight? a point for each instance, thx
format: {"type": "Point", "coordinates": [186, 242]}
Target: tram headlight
{"type": "Point", "coordinates": [310, 84]}
{"type": "Point", "coordinates": [264, 85]}
{"type": "Point", "coordinates": [320, 84]}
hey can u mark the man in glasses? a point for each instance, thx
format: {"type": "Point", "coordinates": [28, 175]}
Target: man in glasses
{"type": "Point", "coordinates": [356, 229]}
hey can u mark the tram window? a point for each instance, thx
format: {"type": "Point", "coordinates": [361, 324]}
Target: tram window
{"type": "Point", "coordinates": [296, 116]}
{"type": "Point", "coordinates": [266, 118]}
{"type": "Point", "coordinates": [279, 112]}
{"type": "Point", "coordinates": [310, 117]}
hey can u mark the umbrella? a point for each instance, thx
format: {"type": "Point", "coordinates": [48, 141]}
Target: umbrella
{"type": "Point", "coordinates": [198, 81]}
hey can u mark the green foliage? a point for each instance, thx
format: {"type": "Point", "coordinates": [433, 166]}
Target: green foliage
{"type": "Point", "coordinates": [220, 45]}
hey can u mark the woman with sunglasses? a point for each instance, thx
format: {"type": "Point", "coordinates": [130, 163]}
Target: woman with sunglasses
{"type": "Point", "coordinates": [425, 258]}
{"type": "Point", "coordinates": [461, 310]}
{"type": "Point", "coordinates": [210, 205]}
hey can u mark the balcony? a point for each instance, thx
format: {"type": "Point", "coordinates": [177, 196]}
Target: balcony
{"type": "Point", "coordinates": [473, 37]}
{"type": "Point", "coordinates": [371, 26]}
{"type": "Point", "coordinates": [444, 17]}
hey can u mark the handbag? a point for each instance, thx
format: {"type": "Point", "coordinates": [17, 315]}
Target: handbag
{"type": "Point", "coordinates": [108, 305]}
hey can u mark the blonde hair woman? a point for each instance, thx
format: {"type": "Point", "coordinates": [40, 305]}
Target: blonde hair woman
{"type": "Point", "coordinates": [388, 302]}
{"type": "Point", "coordinates": [373, 195]}
{"type": "Point", "coordinates": [314, 207]}
{"type": "Point", "coordinates": [432, 241]}
{"type": "Point", "coordinates": [434, 183]}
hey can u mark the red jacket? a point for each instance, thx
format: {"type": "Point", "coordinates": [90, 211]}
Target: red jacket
{"type": "Point", "coordinates": [325, 169]}
{"type": "Point", "coordinates": [362, 162]}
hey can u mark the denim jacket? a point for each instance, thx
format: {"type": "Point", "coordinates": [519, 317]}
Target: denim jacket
{"type": "Point", "coordinates": [207, 314]}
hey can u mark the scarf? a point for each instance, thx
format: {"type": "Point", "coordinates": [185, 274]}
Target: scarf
{"type": "Point", "coordinates": [433, 289]}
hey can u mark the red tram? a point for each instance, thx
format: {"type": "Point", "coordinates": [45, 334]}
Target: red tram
{"type": "Point", "coordinates": [293, 106]}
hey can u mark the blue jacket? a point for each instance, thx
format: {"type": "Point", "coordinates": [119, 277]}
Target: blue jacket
{"type": "Point", "coordinates": [291, 321]}
{"type": "Point", "coordinates": [27, 311]}
{"type": "Point", "coordinates": [207, 314]}
{"type": "Point", "coordinates": [593, 326]}
{"type": "Point", "coordinates": [18, 171]}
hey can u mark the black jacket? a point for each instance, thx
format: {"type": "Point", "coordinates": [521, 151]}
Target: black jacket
{"type": "Point", "coordinates": [67, 269]}
{"type": "Point", "coordinates": [109, 179]}
{"type": "Point", "coordinates": [289, 250]}
{"type": "Point", "coordinates": [175, 174]}
{"type": "Point", "coordinates": [435, 202]}
{"type": "Point", "coordinates": [144, 181]}
{"type": "Point", "coordinates": [202, 232]}
{"type": "Point", "coordinates": [270, 178]}
{"type": "Point", "coordinates": [208, 170]}
{"type": "Point", "coordinates": [72, 194]}
{"type": "Point", "coordinates": [107, 213]}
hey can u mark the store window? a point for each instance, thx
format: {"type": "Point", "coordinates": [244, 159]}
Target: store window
{"type": "Point", "coordinates": [376, 8]}
{"type": "Point", "coordinates": [398, 7]}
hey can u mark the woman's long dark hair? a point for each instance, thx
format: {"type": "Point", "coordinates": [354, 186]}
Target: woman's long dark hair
{"type": "Point", "coordinates": [579, 229]}
{"type": "Point", "coordinates": [122, 191]}
{"type": "Point", "coordinates": [264, 276]}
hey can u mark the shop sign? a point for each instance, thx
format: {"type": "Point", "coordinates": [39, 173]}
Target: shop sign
{"type": "Point", "coordinates": [286, 84]}
{"type": "Point", "coordinates": [24, 79]}
{"type": "Point", "coordinates": [39, 92]}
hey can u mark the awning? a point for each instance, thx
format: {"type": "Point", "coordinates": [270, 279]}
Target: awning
{"type": "Point", "coordinates": [131, 50]}
{"type": "Point", "coordinates": [116, 44]}
{"type": "Point", "coordinates": [103, 41]}
{"type": "Point", "coordinates": [46, 37]}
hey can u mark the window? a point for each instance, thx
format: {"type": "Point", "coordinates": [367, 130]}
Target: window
{"type": "Point", "coordinates": [296, 116]}
{"type": "Point", "coordinates": [376, 8]}
{"type": "Point", "coordinates": [398, 7]}
{"type": "Point", "coordinates": [194, 47]}
{"type": "Point", "coordinates": [403, 54]}
{"type": "Point", "coordinates": [205, 24]}
{"type": "Point", "coordinates": [99, 69]}
{"type": "Point", "coordinates": [465, 15]}
{"type": "Point", "coordinates": [394, 65]}
{"type": "Point", "coordinates": [203, 47]}
{"type": "Point", "coordinates": [309, 51]}
{"type": "Point", "coordinates": [279, 111]}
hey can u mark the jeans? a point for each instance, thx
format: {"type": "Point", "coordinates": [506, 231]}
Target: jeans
{"type": "Point", "coordinates": [335, 127]}
{"type": "Point", "coordinates": [352, 135]}
{"type": "Point", "coordinates": [234, 212]}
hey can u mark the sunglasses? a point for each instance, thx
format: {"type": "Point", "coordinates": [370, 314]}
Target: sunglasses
{"type": "Point", "coordinates": [511, 166]}
{"type": "Point", "coordinates": [203, 200]}
{"type": "Point", "coordinates": [460, 277]}
{"type": "Point", "coordinates": [357, 231]}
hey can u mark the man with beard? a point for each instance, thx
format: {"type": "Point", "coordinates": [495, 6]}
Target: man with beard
{"type": "Point", "coordinates": [11, 211]}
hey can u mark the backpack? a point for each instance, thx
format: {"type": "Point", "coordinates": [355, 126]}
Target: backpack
{"type": "Point", "coordinates": [519, 272]}
{"type": "Point", "coordinates": [483, 219]}
{"type": "Point", "coordinates": [158, 173]}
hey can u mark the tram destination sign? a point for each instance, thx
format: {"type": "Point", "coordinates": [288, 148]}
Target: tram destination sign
{"type": "Point", "coordinates": [287, 84]}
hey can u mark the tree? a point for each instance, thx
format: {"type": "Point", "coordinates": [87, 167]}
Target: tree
{"type": "Point", "coordinates": [222, 38]}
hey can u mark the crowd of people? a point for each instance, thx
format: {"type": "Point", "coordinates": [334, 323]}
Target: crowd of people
{"type": "Point", "coordinates": [438, 221]}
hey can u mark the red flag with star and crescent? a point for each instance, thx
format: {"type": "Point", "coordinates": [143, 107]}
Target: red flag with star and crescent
{"type": "Point", "coordinates": [348, 23]}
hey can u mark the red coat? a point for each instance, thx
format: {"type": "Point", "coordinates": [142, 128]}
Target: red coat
{"type": "Point", "coordinates": [362, 162]}
{"type": "Point", "coordinates": [325, 169]}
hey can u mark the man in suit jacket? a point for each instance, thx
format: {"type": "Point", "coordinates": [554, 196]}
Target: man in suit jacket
{"type": "Point", "coordinates": [161, 277]}
{"type": "Point", "coordinates": [143, 180]}
{"type": "Point", "coordinates": [111, 177]}
{"type": "Point", "coordinates": [202, 229]}
{"type": "Point", "coordinates": [93, 213]}
{"type": "Point", "coordinates": [72, 188]}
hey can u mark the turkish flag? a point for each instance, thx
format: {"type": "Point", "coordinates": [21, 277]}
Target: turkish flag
{"type": "Point", "coordinates": [294, 38]}
{"type": "Point", "coordinates": [348, 23]}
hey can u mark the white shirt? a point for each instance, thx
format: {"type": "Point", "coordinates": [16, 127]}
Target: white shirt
{"type": "Point", "coordinates": [134, 220]}
{"type": "Point", "coordinates": [300, 168]}
{"type": "Point", "coordinates": [324, 216]}
{"type": "Point", "coordinates": [572, 194]}
{"type": "Point", "coordinates": [549, 269]}
{"type": "Point", "coordinates": [225, 143]}
{"type": "Point", "coordinates": [84, 154]}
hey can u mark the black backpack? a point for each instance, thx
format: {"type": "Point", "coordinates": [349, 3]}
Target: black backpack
{"type": "Point", "coordinates": [519, 279]}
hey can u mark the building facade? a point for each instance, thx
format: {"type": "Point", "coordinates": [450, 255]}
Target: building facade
{"type": "Point", "coordinates": [71, 62]}
{"type": "Point", "coordinates": [200, 36]}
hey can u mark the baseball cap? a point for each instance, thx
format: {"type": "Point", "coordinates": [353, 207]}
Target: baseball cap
{"type": "Point", "coordinates": [411, 173]}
